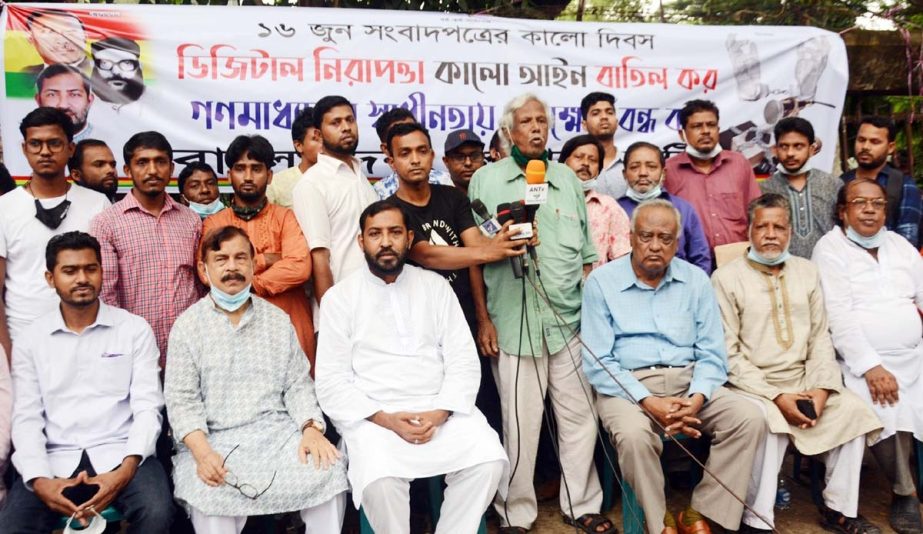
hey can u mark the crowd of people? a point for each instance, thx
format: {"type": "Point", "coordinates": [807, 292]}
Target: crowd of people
{"type": "Point", "coordinates": [208, 360]}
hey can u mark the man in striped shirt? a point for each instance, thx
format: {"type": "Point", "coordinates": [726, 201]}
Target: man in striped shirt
{"type": "Point", "coordinates": [149, 241]}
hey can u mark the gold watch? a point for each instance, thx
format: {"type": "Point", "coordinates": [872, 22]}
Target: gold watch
{"type": "Point", "coordinates": [311, 423]}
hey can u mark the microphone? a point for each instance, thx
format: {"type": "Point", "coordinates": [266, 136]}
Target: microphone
{"type": "Point", "coordinates": [491, 225]}
{"type": "Point", "coordinates": [526, 214]}
{"type": "Point", "coordinates": [504, 213]}
{"type": "Point", "coordinates": [536, 187]}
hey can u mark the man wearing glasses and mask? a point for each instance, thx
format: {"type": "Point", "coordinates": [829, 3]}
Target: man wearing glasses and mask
{"type": "Point", "coordinates": [249, 432]}
{"type": "Point", "coordinates": [29, 216]}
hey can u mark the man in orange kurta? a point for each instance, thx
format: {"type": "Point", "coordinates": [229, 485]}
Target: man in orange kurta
{"type": "Point", "coordinates": [281, 263]}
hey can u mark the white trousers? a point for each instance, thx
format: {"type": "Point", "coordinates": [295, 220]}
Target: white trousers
{"type": "Point", "coordinates": [523, 383]}
{"type": "Point", "coordinates": [386, 502]}
{"type": "Point", "coordinates": [841, 493]}
{"type": "Point", "coordinates": [321, 519]}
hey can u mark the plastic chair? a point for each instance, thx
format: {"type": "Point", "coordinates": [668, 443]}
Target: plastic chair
{"type": "Point", "coordinates": [435, 485]}
{"type": "Point", "coordinates": [632, 514]}
{"type": "Point", "coordinates": [110, 514]}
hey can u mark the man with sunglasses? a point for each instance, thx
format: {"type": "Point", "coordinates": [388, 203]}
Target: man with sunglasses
{"type": "Point", "coordinates": [249, 433]}
{"type": "Point", "coordinates": [29, 216]}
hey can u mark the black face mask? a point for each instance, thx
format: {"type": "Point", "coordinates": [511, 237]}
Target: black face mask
{"type": "Point", "coordinates": [52, 217]}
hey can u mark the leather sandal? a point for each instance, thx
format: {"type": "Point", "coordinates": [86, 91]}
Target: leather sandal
{"type": "Point", "coordinates": [590, 523]}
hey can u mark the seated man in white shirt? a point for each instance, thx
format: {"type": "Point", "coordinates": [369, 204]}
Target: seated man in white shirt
{"type": "Point", "coordinates": [87, 406]}
{"type": "Point", "coordinates": [398, 373]}
{"type": "Point", "coordinates": [873, 290]}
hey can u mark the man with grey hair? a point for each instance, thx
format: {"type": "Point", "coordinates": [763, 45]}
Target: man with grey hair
{"type": "Point", "coordinates": [654, 352]}
{"type": "Point", "coordinates": [781, 358]}
{"type": "Point", "coordinates": [534, 340]}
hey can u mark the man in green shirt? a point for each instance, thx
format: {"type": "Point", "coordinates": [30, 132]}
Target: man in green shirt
{"type": "Point", "coordinates": [535, 344]}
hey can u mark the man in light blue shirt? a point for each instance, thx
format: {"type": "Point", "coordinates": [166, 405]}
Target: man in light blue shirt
{"type": "Point", "coordinates": [654, 347]}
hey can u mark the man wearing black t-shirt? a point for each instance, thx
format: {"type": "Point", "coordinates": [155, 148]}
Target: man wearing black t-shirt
{"type": "Point", "coordinates": [446, 238]}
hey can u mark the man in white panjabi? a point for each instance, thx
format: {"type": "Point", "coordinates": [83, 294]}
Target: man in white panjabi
{"type": "Point", "coordinates": [398, 373]}
{"type": "Point", "coordinates": [780, 353]}
{"type": "Point", "coordinates": [873, 289]}
{"type": "Point", "coordinates": [242, 406]}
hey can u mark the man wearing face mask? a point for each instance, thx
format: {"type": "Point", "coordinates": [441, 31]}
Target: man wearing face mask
{"type": "Point", "coordinates": [780, 357]}
{"type": "Point", "coordinates": [282, 264]}
{"type": "Point", "coordinates": [873, 290]}
{"type": "Point", "coordinates": [198, 185]}
{"type": "Point", "coordinates": [249, 433]}
{"type": "Point", "coordinates": [149, 241]}
{"type": "Point", "coordinates": [718, 183]}
{"type": "Point", "coordinates": [608, 221]}
{"type": "Point", "coordinates": [29, 216]}
{"type": "Point", "coordinates": [811, 192]}
{"type": "Point", "coordinates": [644, 175]}
{"type": "Point", "coordinates": [87, 407]}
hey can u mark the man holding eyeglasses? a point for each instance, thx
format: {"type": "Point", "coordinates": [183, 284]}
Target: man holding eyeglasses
{"type": "Point", "coordinates": [873, 290]}
{"type": "Point", "coordinates": [29, 216]}
{"type": "Point", "coordinates": [249, 432]}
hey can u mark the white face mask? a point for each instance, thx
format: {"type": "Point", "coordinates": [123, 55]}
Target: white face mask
{"type": "Point", "coordinates": [204, 210]}
{"type": "Point", "coordinates": [589, 185]}
{"type": "Point", "coordinates": [694, 152]}
{"type": "Point", "coordinates": [797, 172]}
{"type": "Point", "coordinates": [97, 525]}
{"type": "Point", "coordinates": [651, 193]}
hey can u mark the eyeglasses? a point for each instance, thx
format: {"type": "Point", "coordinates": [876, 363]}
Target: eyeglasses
{"type": "Point", "coordinates": [878, 203]}
{"type": "Point", "coordinates": [247, 490]}
{"type": "Point", "coordinates": [34, 146]}
{"type": "Point", "coordinates": [476, 157]}
{"type": "Point", "coordinates": [125, 65]}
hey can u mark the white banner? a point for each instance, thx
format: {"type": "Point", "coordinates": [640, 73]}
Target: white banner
{"type": "Point", "coordinates": [203, 75]}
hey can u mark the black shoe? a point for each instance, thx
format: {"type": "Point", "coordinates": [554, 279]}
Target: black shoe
{"type": "Point", "coordinates": [836, 522]}
{"type": "Point", "coordinates": [905, 515]}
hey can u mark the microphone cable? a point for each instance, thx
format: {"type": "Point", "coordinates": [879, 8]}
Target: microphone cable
{"type": "Point", "coordinates": [561, 325]}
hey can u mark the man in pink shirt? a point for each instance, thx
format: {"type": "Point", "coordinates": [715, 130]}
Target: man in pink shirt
{"type": "Point", "coordinates": [718, 183]}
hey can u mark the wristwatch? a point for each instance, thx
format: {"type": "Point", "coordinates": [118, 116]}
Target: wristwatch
{"type": "Point", "coordinates": [311, 423]}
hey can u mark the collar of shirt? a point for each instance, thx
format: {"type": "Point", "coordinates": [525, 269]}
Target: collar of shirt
{"type": "Point", "coordinates": [246, 318]}
{"type": "Point", "coordinates": [672, 275]}
{"type": "Point", "coordinates": [685, 160]}
{"type": "Point", "coordinates": [375, 280]}
{"type": "Point", "coordinates": [103, 318]}
{"type": "Point", "coordinates": [333, 164]}
{"type": "Point", "coordinates": [514, 172]}
{"type": "Point", "coordinates": [131, 203]}
{"type": "Point", "coordinates": [594, 196]}
{"type": "Point", "coordinates": [765, 269]}
{"type": "Point", "coordinates": [850, 175]}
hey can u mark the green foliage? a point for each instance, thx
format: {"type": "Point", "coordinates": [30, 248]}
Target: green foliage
{"type": "Point", "coordinates": [833, 15]}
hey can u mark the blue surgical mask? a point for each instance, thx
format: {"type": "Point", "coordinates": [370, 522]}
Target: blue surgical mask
{"type": "Point", "coordinates": [204, 210]}
{"type": "Point", "coordinates": [867, 243]}
{"type": "Point", "coordinates": [589, 185]}
{"type": "Point", "coordinates": [226, 301]}
{"type": "Point", "coordinates": [763, 260]}
{"type": "Point", "coordinates": [652, 193]}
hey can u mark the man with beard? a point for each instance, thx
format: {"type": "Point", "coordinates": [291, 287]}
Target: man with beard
{"type": "Point", "coordinates": [149, 241]}
{"type": "Point", "coordinates": [463, 155]}
{"type": "Point", "coordinates": [874, 144]}
{"type": "Point", "coordinates": [117, 76]}
{"type": "Point", "coordinates": [781, 358]}
{"type": "Point", "coordinates": [282, 264]}
{"type": "Point", "coordinates": [331, 195]}
{"type": "Point", "coordinates": [63, 87]}
{"type": "Point", "coordinates": [397, 372]}
{"type": "Point", "coordinates": [601, 121]}
{"type": "Point", "coordinates": [59, 38]}
{"type": "Point", "coordinates": [93, 166]}
{"type": "Point", "coordinates": [608, 222]}
{"type": "Point", "coordinates": [718, 183]}
{"type": "Point", "coordinates": [87, 409]}
{"type": "Point", "coordinates": [811, 192]}
{"type": "Point", "coordinates": [29, 216]}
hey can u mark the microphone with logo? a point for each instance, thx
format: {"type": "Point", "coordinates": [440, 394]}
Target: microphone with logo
{"type": "Point", "coordinates": [504, 213]}
{"type": "Point", "coordinates": [490, 225]}
{"type": "Point", "coordinates": [536, 194]}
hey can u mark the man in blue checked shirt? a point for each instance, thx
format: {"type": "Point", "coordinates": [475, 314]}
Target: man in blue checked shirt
{"type": "Point", "coordinates": [654, 345]}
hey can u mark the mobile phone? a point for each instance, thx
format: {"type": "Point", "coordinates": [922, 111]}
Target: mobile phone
{"type": "Point", "coordinates": [806, 407]}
